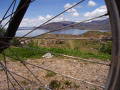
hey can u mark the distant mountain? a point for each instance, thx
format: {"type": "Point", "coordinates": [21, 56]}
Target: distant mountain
{"type": "Point", "coordinates": [93, 25]}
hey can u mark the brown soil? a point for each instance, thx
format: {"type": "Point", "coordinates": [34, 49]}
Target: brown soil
{"type": "Point", "coordinates": [94, 73]}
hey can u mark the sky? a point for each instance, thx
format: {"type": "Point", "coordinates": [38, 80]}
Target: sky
{"type": "Point", "coordinates": [42, 10]}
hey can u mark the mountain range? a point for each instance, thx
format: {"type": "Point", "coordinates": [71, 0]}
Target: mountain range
{"type": "Point", "coordinates": [93, 25]}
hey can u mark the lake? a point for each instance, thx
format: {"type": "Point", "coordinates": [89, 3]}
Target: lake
{"type": "Point", "coordinates": [41, 31]}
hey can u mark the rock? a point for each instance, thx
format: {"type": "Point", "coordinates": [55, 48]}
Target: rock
{"type": "Point", "coordinates": [47, 55]}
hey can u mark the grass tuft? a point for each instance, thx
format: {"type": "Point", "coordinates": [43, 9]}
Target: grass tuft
{"type": "Point", "coordinates": [50, 74]}
{"type": "Point", "coordinates": [55, 84]}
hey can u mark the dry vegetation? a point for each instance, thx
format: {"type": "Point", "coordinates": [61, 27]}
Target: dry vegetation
{"type": "Point", "coordinates": [94, 73]}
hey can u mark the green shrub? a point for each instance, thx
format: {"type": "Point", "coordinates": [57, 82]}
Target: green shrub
{"type": "Point", "coordinates": [25, 83]}
{"type": "Point", "coordinates": [67, 83]}
{"type": "Point", "coordinates": [106, 47]}
{"type": "Point", "coordinates": [50, 74]}
{"type": "Point", "coordinates": [55, 84]}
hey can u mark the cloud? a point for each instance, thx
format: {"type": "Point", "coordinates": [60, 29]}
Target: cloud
{"type": "Point", "coordinates": [30, 22]}
{"type": "Point", "coordinates": [72, 11]}
{"type": "Point", "coordinates": [97, 12]}
{"type": "Point", "coordinates": [68, 5]}
{"type": "Point", "coordinates": [91, 3]}
{"type": "Point", "coordinates": [75, 14]}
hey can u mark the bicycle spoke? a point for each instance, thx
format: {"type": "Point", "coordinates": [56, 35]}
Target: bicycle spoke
{"type": "Point", "coordinates": [5, 70]}
{"type": "Point", "coordinates": [14, 4]}
{"type": "Point", "coordinates": [60, 29]}
{"type": "Point", "coordinates": [8, 75]}
{"type": "Point", "coordinates": [5, 17]}
{"type": "Point", "coordinates": [31, 72]}
{"type": "Point", "coordinates": [41, 84]}
{"type": "Point", "coordinates": [81, 1]}
{"type": "Point", "coordinates": [7, 11]}
{"type": "Point", "coordinates": [85, 60]}
{"type": "Point", "coordinates": [67, 76]}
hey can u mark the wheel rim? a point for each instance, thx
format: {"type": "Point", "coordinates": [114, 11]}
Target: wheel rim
{"type": "Point", "coordinates": [113, 82]}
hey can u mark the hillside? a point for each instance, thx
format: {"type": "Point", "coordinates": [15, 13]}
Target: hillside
{"type": "Point", "coordinates": [93, 25]}
{"type": "Point", "coordinates": [88, 34]}
{"type": "Point", "coordinates": [96, 34]}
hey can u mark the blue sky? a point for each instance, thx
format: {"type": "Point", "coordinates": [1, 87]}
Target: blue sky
{"type": "Point", "coordinates": [42, 10]}
{"type": "Point", "coordinates": [44, 7]}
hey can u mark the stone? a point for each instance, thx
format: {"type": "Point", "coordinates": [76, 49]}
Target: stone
{"type": "Point", "coordinates": [47, 55]}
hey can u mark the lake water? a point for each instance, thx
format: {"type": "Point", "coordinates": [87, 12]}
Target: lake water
{"type": "Point", "coordinates": [41, 31]}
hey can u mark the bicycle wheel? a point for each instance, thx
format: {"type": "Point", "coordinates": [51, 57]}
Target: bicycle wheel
{"type": "Point", "coordinates": [113, 76]}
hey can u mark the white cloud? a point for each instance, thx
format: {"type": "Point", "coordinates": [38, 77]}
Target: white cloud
{"type": "Point", "coordinates": [49, 16]}
{"type": "Point", "coordinates": [72, 11]}
{"type": "Point", "coordinates": [68, 5]}
{"type": "Point", "coordinates": [41, 18]}
{"type": "Point", "coordinates": [30, 22]}
{"type": "Point", "coordinates": [75, 14]}
{"type": "Point", "coordinates": [91, 3]}
{"type": "Point", "coordinates": [97, 12]}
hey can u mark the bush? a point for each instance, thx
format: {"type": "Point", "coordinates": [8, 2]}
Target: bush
{"type": "Point", "coordinates": [55, 84]}
{"type": "Point", "coordinates": [50, 74]}
{"type": "Point", "coordinates": [106, 47]}
{"type": "Point", "coordinates": [68, 83]}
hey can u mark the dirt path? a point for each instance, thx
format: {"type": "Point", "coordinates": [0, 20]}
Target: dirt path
{"type": "Point", "coordinates": [94, 73]}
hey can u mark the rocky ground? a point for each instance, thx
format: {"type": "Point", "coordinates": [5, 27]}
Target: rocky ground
{"type": "Point", "coordinates": [94, 73]}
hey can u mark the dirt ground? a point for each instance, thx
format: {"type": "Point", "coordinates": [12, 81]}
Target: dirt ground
{"type": "Point", "coordinates": [91, 72]}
